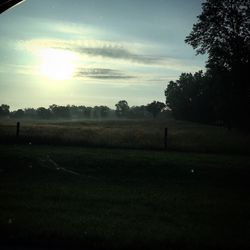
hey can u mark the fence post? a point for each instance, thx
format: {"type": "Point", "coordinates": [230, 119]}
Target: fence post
{"type": "Point", "coordinates": [166, 138]}
{"type": "Point", "coordinates": [17, 129]}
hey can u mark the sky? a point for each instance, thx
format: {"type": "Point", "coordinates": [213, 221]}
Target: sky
{"type": "Point", "coordinates": [94, 52]}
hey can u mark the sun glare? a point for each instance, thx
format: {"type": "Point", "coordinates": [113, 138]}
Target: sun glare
{"type": "Point", "coordinates": [57, 64]}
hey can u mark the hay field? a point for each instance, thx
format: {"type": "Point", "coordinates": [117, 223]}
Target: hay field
{"type": "Point", "coordinates": [139, 134]}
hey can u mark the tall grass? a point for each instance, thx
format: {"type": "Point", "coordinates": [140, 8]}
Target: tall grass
{"type": "Point", "coordinates": [144, 134]}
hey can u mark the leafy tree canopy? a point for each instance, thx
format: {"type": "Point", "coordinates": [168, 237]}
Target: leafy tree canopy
{"type": "Point", "coordinates": [223, 31]}
{"type": "Point", "coordinates": [122, 108]}
{"type": "Point", "coordinates": [4, 110]}
{"type": "Point", "coordinates": [190, 97]}
{"type": "Point", "coordinates": [155, 108]}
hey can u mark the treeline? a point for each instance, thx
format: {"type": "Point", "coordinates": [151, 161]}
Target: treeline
{"type": "Point", "coordinates": [123, 110]}
{"type": "Point", "coordinates": [196, 97]}
{"type": "Point", "coordinates": [222, 93]}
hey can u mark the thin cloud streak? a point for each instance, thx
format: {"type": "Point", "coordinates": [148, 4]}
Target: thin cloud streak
{"type": "Point", "coordinates": [102, 74]}
{"type": "Point", "coordinates": [113, 51]}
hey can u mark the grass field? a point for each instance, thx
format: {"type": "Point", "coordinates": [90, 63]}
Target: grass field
{"type": "Point", "coordinates": [139, 134]}
{"type": "Point", "coordinates": [117, 198]}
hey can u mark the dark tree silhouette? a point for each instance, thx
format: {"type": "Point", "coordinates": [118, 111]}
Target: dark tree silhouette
{"type": "Point", "coordinates": [223, 32]}
{"type": "Point", "coordinates": [137, 112]}
{"type": "Point", "coordinates": [122, 108]}
{"type": "Point", "coordinates": [104, 111]}
{"type": "Point", "coordinates": [4, 110]}
{"type": "Point", "coordinates": [190, 97]}
{"type": "Point", "coordinates": [18, 114]}
{"type": "Point", "coordinates": [43, 113]}
{"type": "Point", "coordinates": [101, 111]}
{"type": "Point", "coordinates": [87, 112]}
{"type": "Point", "coordinates": [60, 111]}
{"type": "Point", "coordinates": [96, 112]}
{"type": "Point", "coordinates": [75, 111]}
{"type": "Point", "coordinates": [30, 113]}
{"type": "Point", "coordinates": [155, 108]}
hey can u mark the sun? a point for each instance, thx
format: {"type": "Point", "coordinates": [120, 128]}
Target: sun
{"type": "Point", "coordinates": [56, 64]}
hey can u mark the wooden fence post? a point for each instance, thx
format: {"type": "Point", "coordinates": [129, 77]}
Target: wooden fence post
{"type": "Point", "coordinates": [17, 129]}
{"type": "Point", "coordinates": [166, 138]}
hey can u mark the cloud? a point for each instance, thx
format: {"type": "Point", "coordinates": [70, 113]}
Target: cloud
{"type": "Point", "coordinates": [127, 52]}
{"type": "Point", "coordinates": [117, 52]}
{"type": "Point", "coordinates": [97, 48]}
{"type": "Point", "coordinates": [102, 74]}
{"type": "Point", "coordinates": [124, 56]}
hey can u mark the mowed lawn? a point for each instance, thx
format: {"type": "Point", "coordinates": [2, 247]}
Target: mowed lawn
{"type": "Point", "coordinates": [101, 198]}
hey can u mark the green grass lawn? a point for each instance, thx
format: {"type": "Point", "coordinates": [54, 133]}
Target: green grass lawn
{"type": "Point", "coordinates": [114, 198]}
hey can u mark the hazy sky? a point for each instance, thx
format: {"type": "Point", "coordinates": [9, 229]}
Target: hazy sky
{"type": "Point", "coordinates": [94, 52]}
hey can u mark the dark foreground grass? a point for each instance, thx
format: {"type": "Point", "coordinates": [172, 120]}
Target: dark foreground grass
{"type": "Point", "coordinates": [122, 199]}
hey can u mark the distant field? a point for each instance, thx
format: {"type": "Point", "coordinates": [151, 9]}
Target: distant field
{"type": "Point", "coordinates": [122, 199]}
{"type": "Point", "coordinates": [140, 134]}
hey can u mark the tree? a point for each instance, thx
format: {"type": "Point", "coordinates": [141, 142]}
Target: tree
{"type": "Point", "coordinates": [30, 113]}
{"type": "Point", "coordinates": [96, 112]}
{"type": "Point", "coordinates": [60, 111]}
{"type": "Point", "coordinates": [137, 112]}
{"type": "Point", "coordinates": [4, 110]}
{"type": "Point", "coordinates": [87, 112]}
{"type": "Point", "coordinates": [18, 113]}
{"type": "Point", "coordinates": [75, 111]}
{"type": "Point", "coordinates": [223, 32]}
{"type": "Point", "coordinates": [155, 108]}
{"type": "Point", "coordinates": [43, 113]}
{"type": "Point", "coordinates": [104, 111]}
{"type": "Point", "coordinates": [122, 108]}
{"type": "Point", "coordinates": [190, 97]}
{"type": "Point", "coordinates": [101, 111]}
